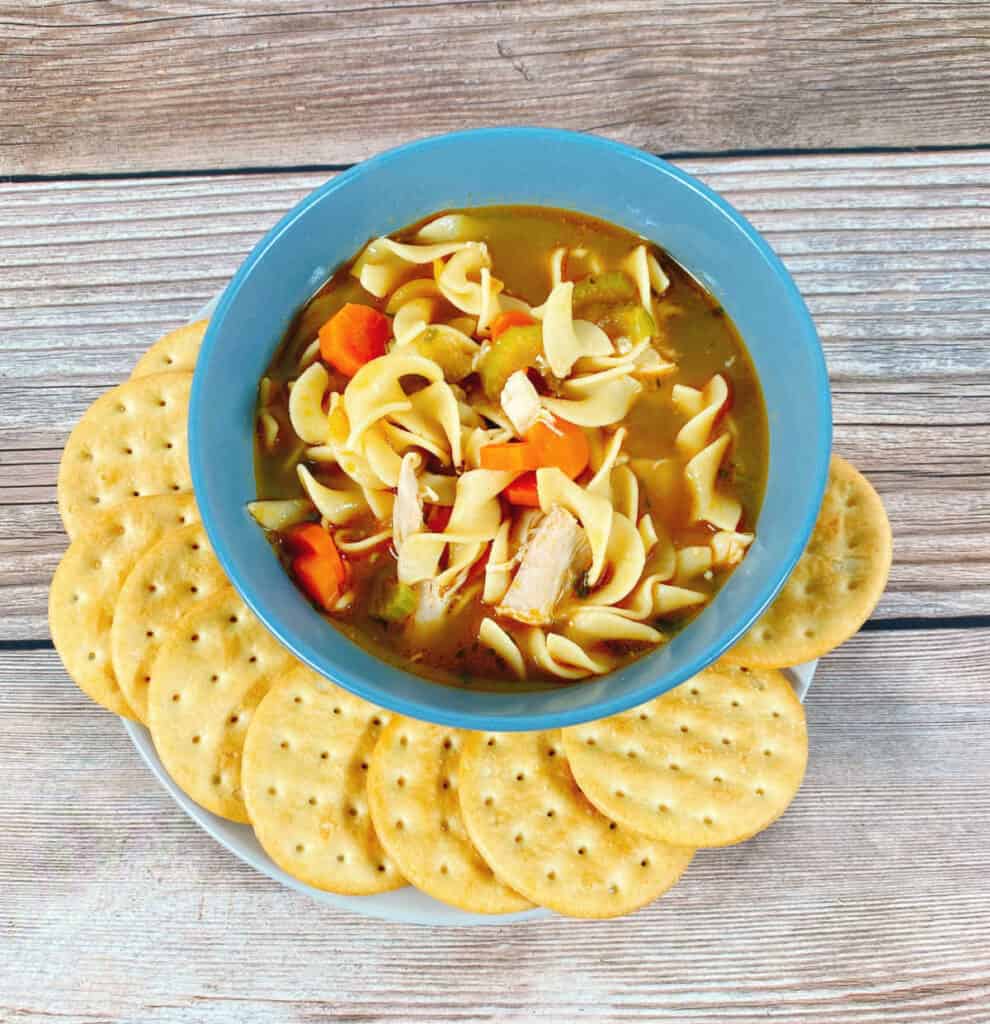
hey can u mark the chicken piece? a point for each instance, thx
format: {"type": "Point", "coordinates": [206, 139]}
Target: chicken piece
{"type": "Point", "coordinates": [520, 402]}
{"type": "Point", "coordinates": [407, 514]}
{"type": "Point", "coordinates": [555, 554]}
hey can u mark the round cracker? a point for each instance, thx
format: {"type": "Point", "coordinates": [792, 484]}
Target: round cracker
{"type": "Point", "coordinates": [710, 763]}
{"type": "Point", "coordinates": [167, 580]}
{"type": "Point", "coordinates": [88, 579]}
{"type": "Point", "coordinates": [412, 794]}
{"type": "Point", "coordinates": [836, 584]}
{"type": "Point", "coordinates": [210, 674]}
{"type": "Point", "coordinates": [130, 442]}
{"type": "Point", "coordinates": [305, 764]}
{"type": "Point", "coordinates": [176, 351]}
{"type": "Point", "coordinates": [529, 820]}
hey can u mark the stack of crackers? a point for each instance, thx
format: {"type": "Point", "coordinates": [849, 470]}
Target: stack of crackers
{"type": "Point", "coordinates": [591, 821]}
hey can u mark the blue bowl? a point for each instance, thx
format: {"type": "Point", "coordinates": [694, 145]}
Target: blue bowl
{"type": "Point", "coordinates": [498, 166]}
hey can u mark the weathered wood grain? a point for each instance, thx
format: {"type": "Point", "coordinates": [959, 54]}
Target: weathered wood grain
{"type": "Point", "coordinates": [132, 85]}
{"type": "Point", "coordinates": [891, 252]}
{"type": "Point", "coordinates": [866, 903]}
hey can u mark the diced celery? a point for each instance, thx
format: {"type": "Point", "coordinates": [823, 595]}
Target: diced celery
{"type": "Point", "coordinates": [515, 349]}
{"type": "Point", "coordinates": [611, 287]}
{"type": "Point", "coordinates": [392, 601]}
{"type": "Point", "coordinates": [448, 349]}
{"type": "Point", "coordinates": [632, 322]}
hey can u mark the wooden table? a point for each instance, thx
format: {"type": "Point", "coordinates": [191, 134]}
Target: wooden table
{"type": "Point", "coordinates": [144, 147]}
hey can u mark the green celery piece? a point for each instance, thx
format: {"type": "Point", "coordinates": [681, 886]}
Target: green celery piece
{"type": "Point", "coordinates": [514, 349]}
{"type": "Point", "coordinates": [392, 601]}
{"type": "Point", "coordinates": [611, 287]}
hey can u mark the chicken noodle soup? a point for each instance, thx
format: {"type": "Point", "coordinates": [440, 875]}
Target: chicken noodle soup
{"type": "Point", "coordinates": [511, 446]}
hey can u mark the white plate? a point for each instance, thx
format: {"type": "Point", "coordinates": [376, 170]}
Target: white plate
{"type": "Point", "coordinates": [408, 905]}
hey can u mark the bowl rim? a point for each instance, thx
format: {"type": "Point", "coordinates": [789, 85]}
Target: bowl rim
{"type": "Point", "coordinates": [325, 663]}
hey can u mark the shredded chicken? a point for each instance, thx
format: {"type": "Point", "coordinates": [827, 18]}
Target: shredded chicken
{"type": "Point", "coordinates": [555, 554]}
{"type": "Point", "coordinates": [407, 514]}
{"type": "Point", "coordinates": [520, 402]}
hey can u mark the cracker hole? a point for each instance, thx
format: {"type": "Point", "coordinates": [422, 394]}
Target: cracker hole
{"type": "Point", "coordinates": [174, 487]}
{"type": "Point", "coordinates": [551, 813]}
{"type": "Point", "coordinates": [620, 794]}
{"type": "Point", "coordinates": [336, 711]}
{"type": "Point", "coordinates": [376, 721]}
{"type": "Point", "coordinates": [552, 752]}
{"type": "Point", "coordinates": [152, 588]}
{"type": "Point", "coordinates": [663, 809]}
{"type": "Point", "coordinates": [582, 850]}
{"type": "Point", "coordinates": [447, 744]}
{"type": "Point", "coordinates": [297, 700]}
{"type": "Point", "coordinates": [364, 766]}
{"type": "Point", "coordinates": [760, 791]}
{"type": "Point", "coordinates": [776, 714]}
{"type": "Point", "coordinates": [400, 782]}
{"type": "Point", "coordinates": [234, 719]}
{"type": "Point", "coordinates": [684, 728]}
{"type": "Point", "coordinates": [176, 698]}
{"type": "Point", "coordinates": [631, 754]}
{"type": "Point", "coordinates": [214, 678]}
{"type": "Point", "coordinates": [643, 716]}
{"type": "Point", "coordinates": [674, 767]}
{"type": "Point", "coordinates": [445, 784]}
{"type": "Point", "coordinates": [768, 753]}
{"type": "Point", "coordinates": [695, 691]}
{"type": "Point", "coordinates": [215, 780]}
{"type": "Point", "coordinates": [645, 862]}
{"type": "Point", "coordinates": [352, 812]}
{"type": "Point", "coordinates": [489, 801]}
{"type": "Point", "coordinates": [149, 633]}
{"type": "Point", "coordinates": [520, 777]}
{"type": "Point", "coordinates": [311, 801]}
{"type": "Point", "coordinates": [195, 739]}
{"type": "Point", "coordinates": [613, 890]}
{"type": "Point", "coordinates": [193, 589]}
{"type": "Point", "coordinates": [399, 825]}
{"type": "Point", "coordinates": [445, 825]}
{"type": "Point", "coordinates": [284, 744]}
{"type": "Point", "coordinates": [135, 494]}
{"type": "Point", "coordinates": [253, 659]}
{"type": "Point", "coordinates": [716, 779]}
{"type": "Point", "coordinates": [340, 858]}
{"type": "Point", "coordinates": [232, 619]}
{"type": "Point", "coordinates": [271, 790]}
{"type": "Point", "coordinates": [708, 821]}
{"type": "Point", "coordinates": [168, 445]}
{"type": "Point", "coordinates": [519, 838]}
{"type": "Point", "coordinates": [194, 638]}
{"type": "Point", "coordinates": [300, 847]}
{"type": "Point", "coordinates": [91, 656]}
{"type": "Point", "coordinates": [612, 826]}
{"type": "Point", "coordinates": [551, 876]}
{"type": "Point", "coordinates": [444, 870]}
{"type": "Point", "coordinates": [726, 742]}
{"type": "Point", "coordinates": [324, 755]}
{"type": "Point", "coordinates": [403, 741]}
{"type": "Point", "coordinates": [590, 741]}
{"type": "Point", "coordinates": [736, 704]}
{"type": "Point", "coordinates": [381, 868]}
{"type": "Point", "coordinates": [491, 741]}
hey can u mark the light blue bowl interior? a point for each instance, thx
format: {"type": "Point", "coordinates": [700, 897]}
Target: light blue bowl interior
{"type": "Point", "coordinates": [477, 168]}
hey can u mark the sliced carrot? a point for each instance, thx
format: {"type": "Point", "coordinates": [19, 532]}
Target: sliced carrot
{"type": "Point", "coordinates": [354, 336]}
{"type": "Point", "coordinates": [437, 518]}
{"type": "Point", "coordinates": [318, 566]}
{"type": "Point", "coordinates": [511, 457]}
{"type": "Point", "coordinates": [522, 491]}
{"type": "Point", "coordinates": [512, 318]}
{"type": "Point", "coordinates": [563, 445]}
{"type": "Point", "coordinates": [318, 578]}
{"type": "Point", "coordinates": [308, 539]}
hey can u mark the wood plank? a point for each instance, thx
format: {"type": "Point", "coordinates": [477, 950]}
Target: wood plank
{"type": "Point", "coordinates": [132, 85]}
{"type": "Point", "coordinates": [867, 902]}
{"type": "Point", "coordinates": [95, 270]}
